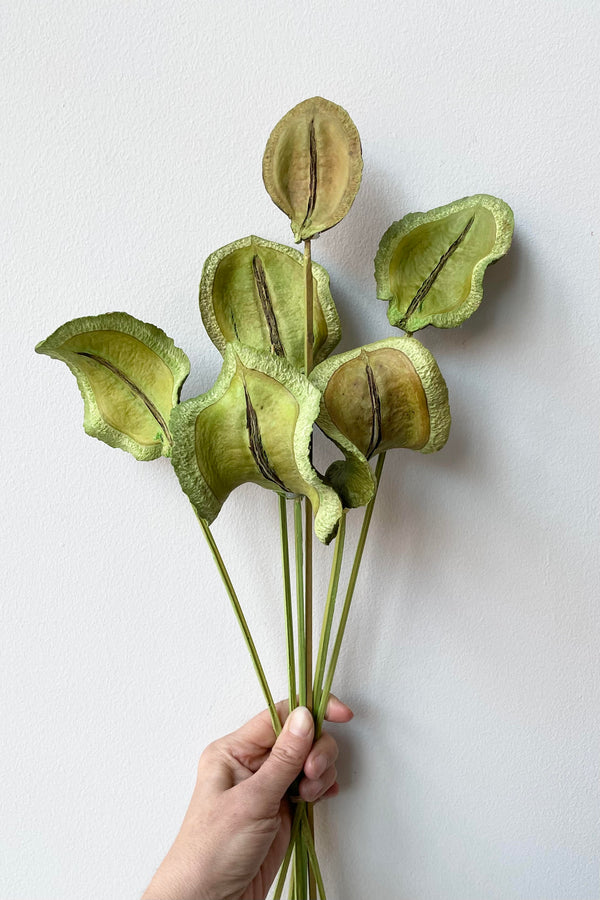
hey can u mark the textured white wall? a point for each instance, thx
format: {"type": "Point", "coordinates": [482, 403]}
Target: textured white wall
{"type": "Point", "coordinates": [132, 144]}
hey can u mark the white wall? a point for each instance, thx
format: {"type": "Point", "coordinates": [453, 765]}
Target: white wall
{"type": "Point", "coordinates": [132, 143]}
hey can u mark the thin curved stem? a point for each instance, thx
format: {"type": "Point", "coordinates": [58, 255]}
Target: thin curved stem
{"type": "Point", "coordinates": [349, 594]}
{"type": "Point", "coordinates": [310, 821]}
{"type": "Point", "coordinates": [309, 339]}
{"type": "Point", "coordinates": [309, 336]}
{"type": "Point", "coordinates": [242, 623]}
{"type": "Point", "coordinates": [287, 594]}
{"type": "Point", "coordinates": [300, 867]}
{"type": "Point", "coordinates": [312, 857]}
{"type": "Point", "coordinates": [300, 601]}
{"type": "Point", "coordinates": [332, 590]}
{"type": "Point", "coordinates": [308, 598]}
{"type": "Point", "coordinates": [288, 855]}
{"type": "Point", "coordinates": [305, 858]}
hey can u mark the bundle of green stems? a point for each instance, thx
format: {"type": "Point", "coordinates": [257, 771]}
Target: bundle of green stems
{"type": "Point", "coordinates": [304, 689]}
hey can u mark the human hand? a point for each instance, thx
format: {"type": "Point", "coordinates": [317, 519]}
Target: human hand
{"type": "Point", "coordinates": [237, 827]}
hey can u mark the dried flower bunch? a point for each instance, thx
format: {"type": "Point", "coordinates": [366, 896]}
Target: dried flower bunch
{"type": "Point", "coordinates": [269, 311]}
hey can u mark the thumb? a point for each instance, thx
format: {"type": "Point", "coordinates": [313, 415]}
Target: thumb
{"type": "Point", "coordinates": [284, 763]}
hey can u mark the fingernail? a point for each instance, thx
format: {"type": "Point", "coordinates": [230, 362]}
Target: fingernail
{"type": "Point", "coordinates": [300, 722]}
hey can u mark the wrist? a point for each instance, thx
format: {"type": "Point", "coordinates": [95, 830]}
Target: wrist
{"type": "Point", "coordinates": [175, 879]}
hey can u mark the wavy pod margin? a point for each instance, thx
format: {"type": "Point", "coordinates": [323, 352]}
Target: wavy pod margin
{"type": "Point", "coordinates": [252, 291]}
{"type": "Point", "coordinates": [361, 390]}
{"type": "Point", "coordinates": [254, 425]}
{"type": "Point", "coordinates": [430, 265]}
{"type": "Point", "coordinates": [130, 375]}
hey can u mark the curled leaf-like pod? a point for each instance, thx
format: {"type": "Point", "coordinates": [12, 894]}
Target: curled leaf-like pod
{"type": "Point", "coordinates": [130, 376]}
{"type": "Point", "coordinates": [430, 265]}
{"type": "Point", "coordinates": [252, 291]}
{"type": "Point", "coordinates": [254, 425]}
{"type": "Point", "coordinates": [312, 166]}
{"type": "Point", "coordinates": [383, 395]}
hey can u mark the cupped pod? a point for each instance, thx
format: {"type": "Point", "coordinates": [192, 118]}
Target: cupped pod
{"type": "Point", "coordinates": [387, 394]}
{"type": "Point", "coordinates": [312, 166]}
{"type": "Point", "coordinates": [252, 291]}
{"type": "Point", "coordinates": [130, 375]}
{"type": "Point", "coordinates": [430, 265]}
{"type": "Point", "coordinates": [254, 425]}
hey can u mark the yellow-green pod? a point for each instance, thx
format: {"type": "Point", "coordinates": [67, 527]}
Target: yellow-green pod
{"type": "Point", "coordinates": [254, 425]}
{"type": "Point", "coordinates": [130, 376]}
{"type": "Point", "coordinates": [430, 265]}
{"type": "Point", "coordinates": [252, 291]}
{"type": "Point", "coordinates": [312, 166]}
{"type": "Point", "coordinates": [380, 396]}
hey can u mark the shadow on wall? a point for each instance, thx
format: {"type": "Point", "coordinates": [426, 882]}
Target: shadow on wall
{"type": "Point", "coordinates": [348, 254]}
{"type": "Point", "coordinates": [504, 290]}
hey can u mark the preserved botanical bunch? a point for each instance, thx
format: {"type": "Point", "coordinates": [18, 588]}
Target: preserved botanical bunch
{"type": "Point", "coordinates": [269, 311]}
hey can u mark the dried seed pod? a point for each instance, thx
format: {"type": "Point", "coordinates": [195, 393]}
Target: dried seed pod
{"type": "Point", "coordinates": [430, 265]}
{"type": "Point", "coordinates": [252, 291]}
{"type": "Point", "coordinates": [254, 425]}
{"type": "Point", "coordinates": [130, 376]}
{"type": "Point", "coordinates": [383, 395]}
{"type": "Point", "coordinates": [312, 166]}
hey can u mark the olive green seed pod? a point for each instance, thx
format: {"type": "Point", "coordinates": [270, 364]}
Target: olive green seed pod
{"type": "Point", "coordinates": [380, 396]}
{"type": "Point", "coordinates": [312, 166]}
{"type": "Point", "coordinates": [130, 376]}
{"type": "Point", "coordinates": [252, 291]}
{"type": "Point", "coordinates": [254, 425]}
{"type": "Point", "coordinates": [430, 265]}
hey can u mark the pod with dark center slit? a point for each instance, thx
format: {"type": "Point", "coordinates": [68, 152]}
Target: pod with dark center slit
{"type": "Point", "coordinates": [252, 291]}
{"type": "Point", "coordinates": [130, 376]}
{"type": "Point", "coordinates": [430, 266]}
{"type": "Point", "coordinates": [377, 397]}
{"type": "Point", "coordinates": [312, 166]}
{"type": "Point", "coordinates": [254, 425]}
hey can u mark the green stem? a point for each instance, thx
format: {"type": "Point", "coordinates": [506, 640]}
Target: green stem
{"type": "Point", "coordinates": [300, 601]}
{"type": "Point", "coordinates": [288, 854]}
{"type": "Point", "coordinates": [287, 592]}
{"type": "Point", "coordinates": [242, 623]}
{"type": "Point", "coordinates": [349, 594]}
{"type": "Point", "coordinates": [329, 610]}
{"type": "Point", "coordinates": [308, 604]}
{"type": "Point", "coordinates": [312, 857]}
{"type": "Point", "coordinates": [308, 307]}
{"type": "Point", "coordinates": [309, 339]}
{"type": "Point", "coordinates": [310, 821]}
{"type": "Point", "coordinates": [300, 873]}
{"type": "Point", "coordinates": [302, 842]}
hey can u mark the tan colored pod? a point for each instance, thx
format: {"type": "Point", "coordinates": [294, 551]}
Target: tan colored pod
{"type": "Point", "coordinates": [383, 395]}
{"type": "Point", "coordinates": [312, 166]}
